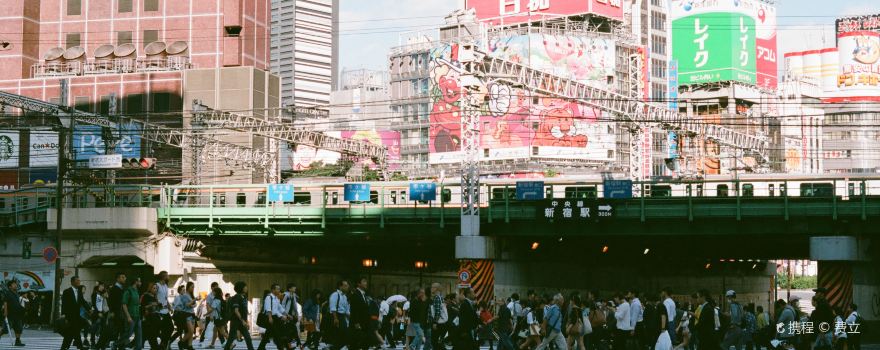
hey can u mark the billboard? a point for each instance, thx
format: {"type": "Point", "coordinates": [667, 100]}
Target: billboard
{"type": "Point", "coordinates": [765, 44]}
{"type": "Point", "coordinates": [511, 12]}
{"type": "Point", "coordinates": [859, 54]}
{"type": "Point", "coordinates": [517, 123]}
{"type": "Point", "coordinates": [585, 59]}
{"type": "Point", "coordinates": [718, 41]}
{"type": "Point", "coordinates": [9, 149]}
{"type": "Point", "coordinates": [87, 141]}
{"type": "Point", "coordinates": [793, 155]}
{"type": "Point", "coordinates": [43, 148]}
{"type": "Point", "coordinates": [857, 23]}
{"type": "Point", "coordinates": [301, 157]}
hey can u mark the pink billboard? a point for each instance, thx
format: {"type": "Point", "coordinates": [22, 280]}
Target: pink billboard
{"type": "Point", "coordinates": [301, 157]}
{"type": "Point", "coordinates": [765, 44]}
{"type": "Point", "coordinates": [509, 12]}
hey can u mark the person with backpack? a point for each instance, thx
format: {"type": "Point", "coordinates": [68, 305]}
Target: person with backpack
{"type": "Point", "coordinates": [854, 324]}
{"type": "Point", "coordinates": [733, 334]}
{"type": "Point", "coordinates": [439, 316]}
{"type": "Point", "coordinates": [218, 308]}
{"type": "Point", "coordinates": [152, 322]}
{"type": "Point", "coordinates": [272, 318]}
{"type": "Point", "coordinates": [750, 327]}
{"type": "Point", "coordinates": [238, 317]}
{"type": "Point", "coordinates": [552, 325]}
{"type": "Point", "coordinates": [311, 320]}
{"type": "Point", "coordinates": [340, 315]}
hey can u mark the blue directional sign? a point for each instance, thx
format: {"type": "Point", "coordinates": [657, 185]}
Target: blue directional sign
{"type": "Point", "coordinates": [422, 191]}
{"type": "Point", "coordinates": [357, 192]}
{"type": "Point", "coordinates": [618, 188]}
{"type": "Point", "coordinates": [280, 193]}
{"type": "Point", "coordinates": [529, 190]}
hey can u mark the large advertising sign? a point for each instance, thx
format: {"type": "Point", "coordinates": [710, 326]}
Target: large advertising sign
{"type": "Point", "coordinates": [9, 143]}
{"type": "Point", "coordinates": [765, 43]}
{"type": "Point", "coordinates": [859, 61]}
{"type": "Point", "coordinates": [585, 59]}
{"type": "Point", "coordinates": [87, 141]}
{"type": "Point", "coordinates": [858, 23]}
{"type": "Point", "coordinates": [302, 157]}
{"type": "Point", "coordinates": [43, 148]}
{"type": "Point", "coordinates": [517, 123]}
{"type": "Point", "coordinates": [511, 12]}
{"type": "Point", "coordinates": [724, 40]}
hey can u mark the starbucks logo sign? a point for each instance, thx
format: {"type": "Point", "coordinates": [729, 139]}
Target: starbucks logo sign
{"type": "Point", "coordinates": [7, 148]}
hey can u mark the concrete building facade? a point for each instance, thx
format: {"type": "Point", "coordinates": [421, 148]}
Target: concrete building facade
{"type": "Point", "coordinates": [305, 50]}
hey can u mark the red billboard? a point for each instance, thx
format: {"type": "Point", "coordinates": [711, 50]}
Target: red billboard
{"type": "Point", "coordinates": [510, 12]}
{"type": "Point", "coordinates": [765, 44]}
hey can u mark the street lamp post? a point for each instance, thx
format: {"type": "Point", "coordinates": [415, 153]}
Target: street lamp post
{"type": "Point", "coordinates": [421, 266]}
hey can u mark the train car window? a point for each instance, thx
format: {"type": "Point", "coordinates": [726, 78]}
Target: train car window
{"type": "Point", "coordinates": [393, 197]}
{"type": "Point", "coordinates": [446, 195]}
{"type": "Point", "coordinates": [241, 199]}
{"type": "Point", "coordinates": [688, 190]}
{"type": "Point", "coordinates": [374, 197]}
{"type": "Point", "coordinates": [817, 189]}
{"type": "Point", "coordinates": [721, 191]}
{"type": "Point", "coordinates": [302, 198]}
{"type": "Point", "coordinates": [700, 190]}
{"type": "Point", "coordinates": [581, 192]}
{"type": "Point", "coordinates": [548, 192]}
{"type": "Point", "coordinates": [783, 190]}
{"type": "Point", "coordinates": [498, 194]}
{"type": "Point", "coordinates": [261, 198]}
{"type": "Point", "coordinates": [851, 189]}
{"type": "Point", "coordinates": [748, 190]}
{"type": "Point", "coordinates": [403, 197]}
{"type": "Point", "coordinates": [334, 198]}
{"type": "Point", "coordinates": [661, 191]}
{"type": "Point", "coordinates": [771, 191]}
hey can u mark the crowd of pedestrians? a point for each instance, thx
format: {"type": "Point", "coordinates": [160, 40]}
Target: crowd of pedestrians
{"type": "Point", "coordinates": [130, 313]}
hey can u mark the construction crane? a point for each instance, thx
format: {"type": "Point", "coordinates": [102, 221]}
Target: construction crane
{"type": "Point", "coordinates": [293, 135]}
{"type": "Point", "coordinates": [152, 132]}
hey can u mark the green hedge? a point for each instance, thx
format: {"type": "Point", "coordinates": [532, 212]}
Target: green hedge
{"type": "Point", "coordinates": [798, 282]}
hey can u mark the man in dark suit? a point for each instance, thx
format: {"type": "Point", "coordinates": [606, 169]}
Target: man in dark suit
{"type": "Point", "coordinates": [707, 329]}
{"type": "Point", "coordinates": [467, 321]}
{"type": "Point", "coordinates": [72, 301]}
{"type": "Point", "coordinates": [360, 315]}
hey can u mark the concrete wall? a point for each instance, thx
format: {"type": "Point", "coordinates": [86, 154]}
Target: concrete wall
{"type": "Point", "coordinates": [521, 276]}
{"type": "Point", "coordinates": [136, 221]}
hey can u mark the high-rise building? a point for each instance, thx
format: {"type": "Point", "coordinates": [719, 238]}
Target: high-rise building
{"type": "Point", "coordinates": [154, 56]}
{"type": "Point", "coordinates": [305, 50]}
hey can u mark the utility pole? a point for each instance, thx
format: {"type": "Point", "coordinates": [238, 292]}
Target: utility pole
{"type": "Point", "coordinates": [64, 138]}
{"type": "Point", "coordinates": [470, 140]}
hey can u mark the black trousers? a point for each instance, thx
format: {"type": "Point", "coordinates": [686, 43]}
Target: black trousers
{"type": "Point", "coordinates": [276, 333]}
{"type": "Point", "coordinates": [165, 326]}
{"type": "Point", "coordinates": [236, 328]}
{"type": "Point", "coordinates": [72, 333]}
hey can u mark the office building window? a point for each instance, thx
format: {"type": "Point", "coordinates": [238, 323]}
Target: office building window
{"type": "Point", "coordinates": [73, 39]}
{"type": "Point", "coordinates": [123, 37]}
{"type": "Point", "coordinates": [151, 5]}
{"type": "Point", "coordinates": [74, 7]}
{"type": "Point", "coordinates": [150, 36]}
{"type": "Point", "coordinates": [124, 6]}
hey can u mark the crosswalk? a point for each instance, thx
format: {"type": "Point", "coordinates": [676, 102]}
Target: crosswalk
{"type": "Point", "coordinates": [46, 340]}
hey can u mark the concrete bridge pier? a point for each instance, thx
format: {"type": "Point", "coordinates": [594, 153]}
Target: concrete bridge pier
{"type": "Point", "coordinates": [476, 256]}
{"type": "Point", "coordinates": [849, 269]}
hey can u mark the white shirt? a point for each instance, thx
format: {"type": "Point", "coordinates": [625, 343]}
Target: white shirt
{"type": "Point", "coordinates": [670, 309]}
{"type": "Point", "coordinates": [636, 312]}
{"type": "Point", "coordinates": [162, 297]}
{"type": "Point", "coordinates": [273, 306]}
{"type": "Point", "coordinates": [839, 332]}
{"type": "Point", "coordinates": [623, 316]}
{"type": "Point", "coordinates": [101, 304]}
{"type": "Point", "coordinates": [288, 301]}
{"type": "Point", "coordinates": [515, 308]}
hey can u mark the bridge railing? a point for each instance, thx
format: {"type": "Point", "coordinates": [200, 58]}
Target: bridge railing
{"type": "Point", "coordinates": [29, 205]}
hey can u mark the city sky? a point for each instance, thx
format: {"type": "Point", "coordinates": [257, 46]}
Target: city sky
{"type": "Point", "coordinates": [368, 29]}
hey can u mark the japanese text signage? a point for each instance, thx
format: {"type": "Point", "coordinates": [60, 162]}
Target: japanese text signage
{"type": "Point", "coordinates": [716, 41]}
{"type": "Point", "coordinates": [511, 12]}
{"type": "Point", "coordinates": [562, 210]}
{"type": "Point", "coordinates": [673, 85]}
{"type": "Point", "coordinates": [358, 192]}
{"type": "Point", "coordinates": [617, 189]}
{"type": "Point", "coordinates": [529, 190]}
{"type": "Point", "coordinates": [859, 61]}
{"type": "Point", "coordinates": [87, 141]}
{"type": "Point", "coordinates": [280, 193]}
{"type": "Point", "coordinates": [855, 24]}
{"type": "Point", "coordinates": [422, 191]}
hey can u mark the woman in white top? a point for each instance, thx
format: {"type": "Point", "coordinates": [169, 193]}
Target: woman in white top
{"type": "Point", "coordinates": [217, 316]}
{"type": "Point", "coordinates": [684, 330]}
{"type": "Point", "coordinates": [99, 303]}
{"type": "Point", "coordinates": [184, 314]}
{"type": "Point", "coordinates": [533, 338]}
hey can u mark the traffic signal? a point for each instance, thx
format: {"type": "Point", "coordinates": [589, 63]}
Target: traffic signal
{"type": "Point", "coordinates": [139, 163]}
